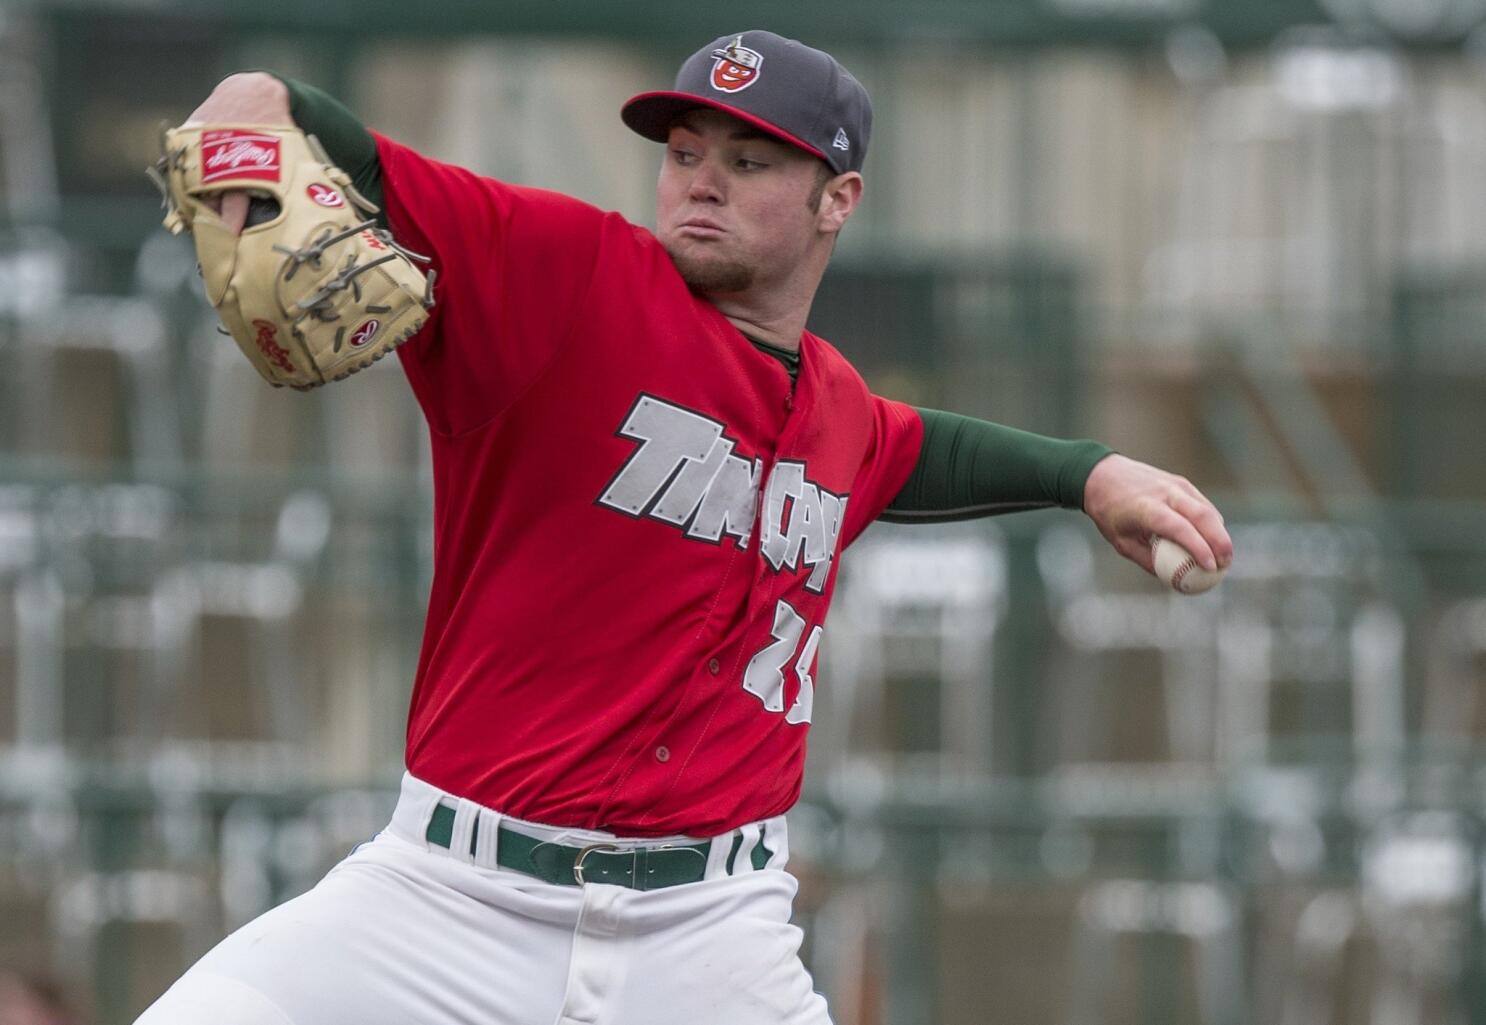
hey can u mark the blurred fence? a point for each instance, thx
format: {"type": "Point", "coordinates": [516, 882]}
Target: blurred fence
{"type": "Point", "coordinates": [1042, 790]}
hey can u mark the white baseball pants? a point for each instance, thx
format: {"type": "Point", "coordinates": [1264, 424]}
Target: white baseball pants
{"type": "Point", "coordinates": [405, 933]}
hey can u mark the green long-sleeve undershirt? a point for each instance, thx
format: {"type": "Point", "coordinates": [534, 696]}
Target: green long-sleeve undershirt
{"type": "Point", "coordinates": [966, 468]}
{"type": "Point", "coordinates": [346, 140]}
{"type": "Point", "coordinates": [970, 468]}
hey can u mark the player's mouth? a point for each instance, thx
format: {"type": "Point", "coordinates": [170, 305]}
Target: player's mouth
{"type": "Point", "coordinates": [701, 227]}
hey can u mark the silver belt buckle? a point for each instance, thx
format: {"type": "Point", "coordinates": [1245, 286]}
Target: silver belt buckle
{"type": "Point", "coordinates": [585, 852]}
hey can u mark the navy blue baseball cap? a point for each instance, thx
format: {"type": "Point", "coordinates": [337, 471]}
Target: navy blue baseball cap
{"type": "Point", "coordinates": [780, 86]}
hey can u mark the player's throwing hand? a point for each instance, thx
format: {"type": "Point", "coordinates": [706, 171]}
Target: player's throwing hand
{"type": "Point", "coordinates": [1130, 501]}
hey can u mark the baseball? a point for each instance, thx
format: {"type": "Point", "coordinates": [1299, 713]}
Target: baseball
{"type": "Point", "coordinates": [1178, 570]}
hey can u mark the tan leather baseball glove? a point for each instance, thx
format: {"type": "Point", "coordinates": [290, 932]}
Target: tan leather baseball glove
{"type": "Point", "coordinates": [315, 291]}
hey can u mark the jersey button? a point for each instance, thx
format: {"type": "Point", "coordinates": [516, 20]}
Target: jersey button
{"type": "Point", "coordinates": [663, 754]}
{"type": "Point", "coordinates": [713, 666]}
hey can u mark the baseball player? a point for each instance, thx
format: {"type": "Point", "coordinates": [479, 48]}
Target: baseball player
{"type": "Point", "coordinates": [645, 472]}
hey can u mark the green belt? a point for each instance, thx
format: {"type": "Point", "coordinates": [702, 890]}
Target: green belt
{"type": "Point", "coordinates": [638, 868]}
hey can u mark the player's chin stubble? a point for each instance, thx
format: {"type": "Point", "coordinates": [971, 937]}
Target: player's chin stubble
{"type": "Point", "coordinates": [711, 275]}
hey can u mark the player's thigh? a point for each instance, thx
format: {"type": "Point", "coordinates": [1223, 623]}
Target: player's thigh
{"type": "Point", "coordinates": [387, 938]}
{"type": "Point", "coordinates": [729, 956]}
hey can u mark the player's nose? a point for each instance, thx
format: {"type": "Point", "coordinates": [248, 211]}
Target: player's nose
{"type": "Point", "coordinates": [706, 185]}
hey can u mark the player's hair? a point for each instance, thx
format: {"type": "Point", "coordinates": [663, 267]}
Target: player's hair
{"type": "Point", "coordinates": [823, 174]}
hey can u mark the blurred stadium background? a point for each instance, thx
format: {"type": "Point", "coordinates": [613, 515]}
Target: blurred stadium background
{"type": "Point", "coordinates": [1243, 240]}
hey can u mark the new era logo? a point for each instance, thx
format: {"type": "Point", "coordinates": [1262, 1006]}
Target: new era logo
{"type": "Point", "coordinates": [841, 141]}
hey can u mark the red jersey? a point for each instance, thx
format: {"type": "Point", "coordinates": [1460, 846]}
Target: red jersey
{"type": "Point", "coordinates": [636, 518]}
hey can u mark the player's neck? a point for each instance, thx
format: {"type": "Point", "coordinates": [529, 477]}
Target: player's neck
{"type": "Point", "coordinates": [786, 338]}
{"type": "Point", "coordinates": [775, 316]}
{"type": "Point", "coordinates": [774, 311]}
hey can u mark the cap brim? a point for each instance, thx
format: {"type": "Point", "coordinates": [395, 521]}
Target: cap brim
{"type": "Point", "coordinates": [652, 114]}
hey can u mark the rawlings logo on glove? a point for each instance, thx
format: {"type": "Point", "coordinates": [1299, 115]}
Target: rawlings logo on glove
{"type": "Point", "coordinates": [312, 292]}
{"type": "Point", "coordinates": [233, 154]}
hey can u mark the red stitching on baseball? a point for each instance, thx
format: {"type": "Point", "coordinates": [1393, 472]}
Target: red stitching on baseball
{"type": "Point", "coordinates": [1181, 572]}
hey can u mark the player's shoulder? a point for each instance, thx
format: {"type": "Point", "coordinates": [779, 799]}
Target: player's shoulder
{"type": "Point", "coordinates": [836, 381]}
{"type": "Point", "coordinates": [830, 360]}
{"type": "Point", "coordinates": [625, 253]}
{"type": "Point", "coordinates": [550, 204]}
{"type": "Point", "coordinates": [409, 172]}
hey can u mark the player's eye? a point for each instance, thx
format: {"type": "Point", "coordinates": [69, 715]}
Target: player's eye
{"type": "Point", "coordinates": [683, 157]}
{"type": "Point", "coordinates": [745, 164]}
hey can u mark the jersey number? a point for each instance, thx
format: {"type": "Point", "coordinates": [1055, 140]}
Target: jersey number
{"type": "Point", "coordinates": [764, 677]}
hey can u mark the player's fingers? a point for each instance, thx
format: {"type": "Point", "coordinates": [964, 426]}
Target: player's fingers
{"type": "Point", "coordinates": [1184, 490]}
{"type": "Point", "coordinates": [1204, 516]}
{"type": "Point", "coordinates": [234, 210]}
{"type": "Point", "coordinates": [1139, 552]}
{"type": "Point", "coordinates": [1172, 525]}
{"type": "Point", "coordinates": [1218, 538]}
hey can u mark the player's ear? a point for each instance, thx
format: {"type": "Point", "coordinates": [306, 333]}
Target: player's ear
{"type": "Point", "coordinates": [837, 201]}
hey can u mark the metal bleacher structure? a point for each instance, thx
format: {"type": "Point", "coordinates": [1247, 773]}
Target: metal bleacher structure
{"type": "Point", "coordinates": [1041, 789]}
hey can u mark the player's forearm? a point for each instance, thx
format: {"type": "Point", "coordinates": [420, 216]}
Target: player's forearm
{"type": "Point", "coordinates": [970, 468]}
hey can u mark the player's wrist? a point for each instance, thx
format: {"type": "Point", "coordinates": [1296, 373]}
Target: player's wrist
{"type": "Point", "coordinates": [1102, 484]}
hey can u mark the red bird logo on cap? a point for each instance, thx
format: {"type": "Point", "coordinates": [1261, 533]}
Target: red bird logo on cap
{"type": "Point", "coordinates": [735, 67]}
